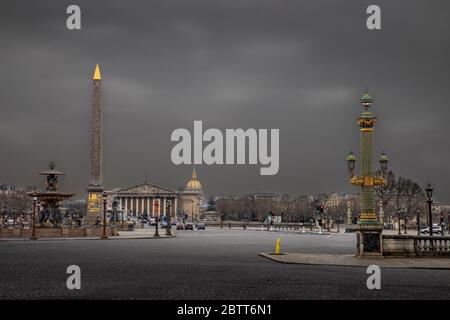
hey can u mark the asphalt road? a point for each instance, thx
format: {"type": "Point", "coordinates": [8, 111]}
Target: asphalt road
{"type": "Point", "coordinates": [211, 264]}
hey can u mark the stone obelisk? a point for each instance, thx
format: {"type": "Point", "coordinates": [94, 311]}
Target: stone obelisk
{"type": "Point", "coordinates": [95, 187]}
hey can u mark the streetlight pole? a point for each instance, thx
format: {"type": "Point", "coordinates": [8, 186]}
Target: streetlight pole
{"type": "Point", "coordinates": [369, 231]}
{"type": "Point", "coordinates": [398, 218]}
{"type": "Point", "coordinates": [429, 191]}
{"type": "Point", "coordinates": [104, 236]}
{"type": "Point", "coordinates": [405, 216]}
{"type": "Point", "coordinates": [156, 235]}
{"type": "Point", "coordinates": [33, 222]}
{"type": "Point", "coordinates": [168, 227]}
{"type": "Point", "coordinates": [418, 221]}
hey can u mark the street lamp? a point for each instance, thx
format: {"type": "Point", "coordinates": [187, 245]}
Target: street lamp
{"type": "Point", "coordinates": [383, 162]}
{"type": "Point", "coordinates": [429, 191]}
{"type": "Point", "coordinates": [33, 222]}
{"type": "Point", "coordinates": [156, 235]}
{"type": "Point", "coordinates": [168, 208]}
{"type": "Point", "coordinates": [398, 218]}
{"type": "Point", "coordinates": [104, 236]}
{"type": "Point", "coordinates": [351, 160]}
{"type": "Point", "coordinates": [405, 216]}
{"type": "Point", "coordinates": [418, 221]}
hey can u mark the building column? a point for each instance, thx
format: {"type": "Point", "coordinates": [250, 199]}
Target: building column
{"type": "Point", "coordinates": [132, 204]}
{"type": "Point", "coordinates": [126, 205]}
{"type": "Point", "coordinates": [148, 206]}
{"type": "Point", "coordinates": [151, 207]}
{"type": "Point", "coordinates": [164, 207]}
{"type": "Point", "coordinates": [175, 206]}
{"type": "Point", "coordinates": [142, 205]}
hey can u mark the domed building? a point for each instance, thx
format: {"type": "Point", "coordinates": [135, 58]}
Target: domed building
{"type": "Point", "coordinates": [156, 200]}
{"type": "Point", "coordinates": [191, 198]}
{"type": "Point", "coordinates": [194, 184]}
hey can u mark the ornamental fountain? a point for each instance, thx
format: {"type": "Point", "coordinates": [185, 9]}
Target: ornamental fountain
{"type": "Point", "coordinates": [50, 215]}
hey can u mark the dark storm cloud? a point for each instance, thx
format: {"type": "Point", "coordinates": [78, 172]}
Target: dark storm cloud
{"type": "Point", "coordinates": [294, 65]}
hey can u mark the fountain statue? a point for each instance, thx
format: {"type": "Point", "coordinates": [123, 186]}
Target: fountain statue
{"type": "Point", "coordinates": [50, 214]}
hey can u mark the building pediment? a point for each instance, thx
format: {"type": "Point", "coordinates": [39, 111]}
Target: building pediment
{"type": "Point", "coordinates": [146, 188]}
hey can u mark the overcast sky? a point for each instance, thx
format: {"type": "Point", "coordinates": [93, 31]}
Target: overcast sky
{"type": "Point", "coordinates": [299, 66]}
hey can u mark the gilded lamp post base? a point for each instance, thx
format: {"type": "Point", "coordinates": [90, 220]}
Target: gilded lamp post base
{"type": "Point", "coordinates": [369, 240]}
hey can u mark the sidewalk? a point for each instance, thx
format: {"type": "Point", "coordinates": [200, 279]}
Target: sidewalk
{"type": "Point", "coordinates": [352, 261]}
{"type": "Point", "coordinates": [123, 235]}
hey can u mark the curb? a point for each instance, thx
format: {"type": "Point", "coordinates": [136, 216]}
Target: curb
{"type": "Point", "coordinates": [85, 239]}
{"type": "Point", "coordinates": [363, 263]}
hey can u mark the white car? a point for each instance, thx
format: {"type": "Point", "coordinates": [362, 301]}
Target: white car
{"type": "Point", "coordinates": [436, 230]}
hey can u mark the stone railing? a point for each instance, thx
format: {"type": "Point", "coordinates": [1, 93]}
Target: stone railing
{"type": "Point", "coordinates": [432, 246]}
{"type": "Point", "coordinates": [55, 232]}
{"type": "Point", "coordinates": [416, 246]}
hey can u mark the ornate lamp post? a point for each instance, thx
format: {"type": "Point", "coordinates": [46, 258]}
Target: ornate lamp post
{"type": "Point", "coordinates": [418, 221]}
{"type": "Point", "coordinates": [156, 235]}
{"type": "Point", "coordinates": [33, 220]}
{"type": "Point", "coordinates": [405, 216]}
{"type": "Point", "coordinates": [104, 236]}
{"type": "Point", "coordinates": [429, 191]}
{"type": "Point", "coordinates": [168, 208]}
{"type": "Point", "coordinates": [369, 229]}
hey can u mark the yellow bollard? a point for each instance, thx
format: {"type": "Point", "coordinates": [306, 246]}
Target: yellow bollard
{"type": "Point", "coordinates": [278, 246]}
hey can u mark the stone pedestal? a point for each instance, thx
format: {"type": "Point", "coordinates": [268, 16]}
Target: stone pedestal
{"type": "Point", "coordinates": [94, 205]}
{"type": "Point", "coordinates": [369, 240]}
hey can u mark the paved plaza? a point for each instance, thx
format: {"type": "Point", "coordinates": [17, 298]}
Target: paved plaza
{"type": "Point", "coordinates": [211, 264]}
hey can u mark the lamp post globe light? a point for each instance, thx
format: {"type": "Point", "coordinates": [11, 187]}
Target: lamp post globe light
{"type": "Point", "coordinates": [368, 229]}
{"type": "Point", "coordinates": [429, 191]}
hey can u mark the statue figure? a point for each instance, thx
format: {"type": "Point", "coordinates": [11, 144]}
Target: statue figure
{"type": "Point", "coordinates": [52, 182]}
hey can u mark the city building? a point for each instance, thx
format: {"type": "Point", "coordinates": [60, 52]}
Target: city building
{"type": "Point", "coordinates": [191, 198]}
{"type": "Point", "coordinates": [150, 199]}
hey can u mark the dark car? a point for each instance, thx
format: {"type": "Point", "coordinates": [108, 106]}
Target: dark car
{"type": "Point", "coordinates": [201, 226]}
{"type": "Point", "coordinates": [189, 226]}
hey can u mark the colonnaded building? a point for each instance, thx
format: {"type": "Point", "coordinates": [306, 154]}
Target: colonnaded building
{"type": "Point", "coordinates": [147, 198]}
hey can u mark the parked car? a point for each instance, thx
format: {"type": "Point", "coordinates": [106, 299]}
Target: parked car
{"type": "Point", "coordinates": [436, 230]}
{"type": "Point", "coordinates": [152, 222]}
{"type": "Point", "coordinates": [180, 226]}
{"type": "Point", "coordinates": [201, 226]}
{"type": "Point", "coordinates": [189, 226]}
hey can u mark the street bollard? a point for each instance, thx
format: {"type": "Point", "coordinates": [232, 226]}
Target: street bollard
{"type": "Point", "coordinates": [278, 246]}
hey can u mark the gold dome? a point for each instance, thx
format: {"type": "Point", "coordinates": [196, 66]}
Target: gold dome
{"type": "Point", "coordinates": [194, 184]}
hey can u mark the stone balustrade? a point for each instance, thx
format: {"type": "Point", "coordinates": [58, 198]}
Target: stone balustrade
{"type": "Point", "coordinates": [432, 246]}
{"type": "Point", "coordinates": [416, 246]}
